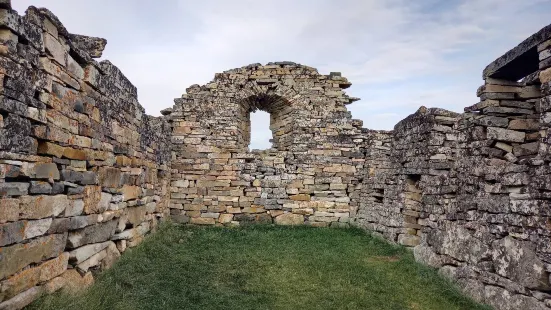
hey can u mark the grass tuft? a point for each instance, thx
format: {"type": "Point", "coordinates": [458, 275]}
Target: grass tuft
{"type": "Point", "coordinates": [265, 267]}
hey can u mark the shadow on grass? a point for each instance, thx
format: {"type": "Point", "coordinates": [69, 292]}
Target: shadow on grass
{"type": "Point", "coordinates": [265, 267]}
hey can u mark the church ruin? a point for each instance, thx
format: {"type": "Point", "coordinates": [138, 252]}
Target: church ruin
{"type": "Point", "coordinates": [86, 174]}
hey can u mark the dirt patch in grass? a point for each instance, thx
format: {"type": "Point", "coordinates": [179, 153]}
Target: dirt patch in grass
{"type": "Point", "coordinates": [265, 267]}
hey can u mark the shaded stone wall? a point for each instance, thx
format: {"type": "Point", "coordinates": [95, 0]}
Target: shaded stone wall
{"type": "Point", "coordinates": [83, 171]}
{"type": "Point", "coordinates": [310, 175]}
{"type": "Point", "coordinates": [470, 192]}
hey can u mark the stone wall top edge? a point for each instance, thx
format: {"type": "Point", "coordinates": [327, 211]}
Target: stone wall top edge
{"type": "Point", "coordinates": [107, 68]}
{"type": "Point", "coordinates": [424, 115]}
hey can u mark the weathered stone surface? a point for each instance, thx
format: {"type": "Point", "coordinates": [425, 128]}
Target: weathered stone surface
{"type": "Point", "coordinates": [17, 256]}
{"type": "Point", "coordinates": [53, 267]}
{"type": "Point", "coordinates": [9, 210]}
{"type": "Point", "coordinates": [12, 232]}
{"type": "Point", "coordinates": [526, 149]}
{"type": "Point", "coordinates": [91, 45]}
{"type": "Point", "coordinates": [130, 192]}
{"type": "Point", "coordinates": [74, 282]}
{"type": "Point", "coordinates": [516, 260]}
{"type": "Point", "coordinates": [81, 254]}
{"type": "Point", "coordinates": [92, 234]}
{"type": "Point", "coordinates": [512, 65]}
{"type": "Point", "coordinates": [290, 219]}
{"type": "Point", "coordinates": [19, 283]}
{"type": "Point", "coordinates": [506, 135]}
{"type": "Point", "coordinates": [452, 185]}
{"type": "Point", "coordinates": [22, 300]}
{"type": "Point", "coordinates": [14, 189]}
{"type": "Point", "coordinates": [136, 215]}
{"type": "Point", "coordinates": [39, 187]}
{"type": "Point", "coordinates": [112, 256]}
{"type": "Point", "coordinates": [37, 228]}
{"type": "Point", "coordinates": [46, 171]}
{"type": "Point", "coordinates": [38, 207]}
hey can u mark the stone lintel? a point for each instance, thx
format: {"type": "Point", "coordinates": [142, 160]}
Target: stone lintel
{"type": "Point", "coordinates": [519, 61]}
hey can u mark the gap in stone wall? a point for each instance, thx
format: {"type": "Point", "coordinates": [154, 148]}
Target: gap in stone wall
{"type": "Point", "coordinates": [261, 135]}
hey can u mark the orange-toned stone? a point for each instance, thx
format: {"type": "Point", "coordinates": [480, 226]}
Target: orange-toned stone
{"type": "Point", "coordinates": [74, 282]}
{"type": "Point", "coordinates": [47, 148]}
{"type": "Point", "coordinates": [300, 197]}
{"type": "Point", "coordinates": [19, 283]}
{"type": "Point", "coordinates": [130, 192]}
{"type": "Point", "coordinates": [54, 267]}
{"type": "Point", "coordinates": [92, 197]}
{"type": "Point", "coordinates": [75, 154]}
{"type": "Point", "coordinates": [9, 210]}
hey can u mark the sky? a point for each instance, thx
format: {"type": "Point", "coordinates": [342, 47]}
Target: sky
{"type": "Point", "coordinates": [398, 54]}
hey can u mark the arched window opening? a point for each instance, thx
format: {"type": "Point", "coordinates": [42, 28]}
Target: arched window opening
{"type": "Point", "coordinates": [265, 122]}
{"type": "Point", "coordinates": [261, 134]}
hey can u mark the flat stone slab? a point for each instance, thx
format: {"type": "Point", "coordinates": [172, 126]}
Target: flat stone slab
{"type": "Point", "coordinates": [519, 61]}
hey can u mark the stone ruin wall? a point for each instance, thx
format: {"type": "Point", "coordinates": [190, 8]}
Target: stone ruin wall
{"type": "Point", "coordinates": [85, 174]}
{"type": "Point", "coordinates": [310, 175]}
{"type": "Point", "coordinates": [472, 192]}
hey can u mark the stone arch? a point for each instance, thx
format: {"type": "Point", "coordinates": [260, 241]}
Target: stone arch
{"type": "Point", "coordinates": [312, 166]}
{"type": "Point", "coordinates": [306, 97]}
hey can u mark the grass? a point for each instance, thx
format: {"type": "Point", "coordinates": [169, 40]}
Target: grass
{"type": "Point", "coordinates": [265, 267]}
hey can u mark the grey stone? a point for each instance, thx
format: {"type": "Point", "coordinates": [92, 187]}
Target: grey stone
{"type": "Point", "coordinates": [40, 187]}
{"type": "Point", "coordinates": [92, 234]}
{"type": "Point", "coordinates": [518, 261]}
{"type": "Point", "coordinates": [14, 189]}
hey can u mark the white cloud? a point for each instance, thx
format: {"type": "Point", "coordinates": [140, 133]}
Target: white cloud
{"type": "Point", "coordinates": [399, 54]}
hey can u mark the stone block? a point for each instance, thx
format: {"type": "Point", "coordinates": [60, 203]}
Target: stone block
{"type": "Point", "coordinates": [18, 256]}
{"type": "Point", "coordinates": [22, 300]}
{"type": "Point", "coordinates": [37, 228]}
{"type": "Point", "coordinates": [74, 154]}
{"type": "Point", "coordinates": [9, 210]}
{"type": "Point", "coordinates": [55, 49]}
{"type": "Point", "coordinates": [110, 177]}
{"type": "Point", "coordinates": [75, 282]}
{"type": "Point", "coordinates": [290, 219]}
{"type": "Point", "coordinates": [14, 189]}
{"type": "Point", "coordinates": [524, 124]}
{"type": "Point", "coordinates": [300, 197]}
{"type": "Point", "coordinates": [39, 207]}
{"type": "Point", "coordinates": [225, 218]}
{"type": "Point", "coordinates": [92, 234]}
{"type": "Point", "coordinates": [47, 148]}
{"type": "Point", "coordinates": [518, 261]}
{"type": "Point", "coordinates": [136, 215]}
{"type": "Point", "coordinates": [526, 149]}
{"type": "Point", "coordinates": [505, 135]}
{"type": "Point", "coordinates": [83, 253]}
{"type": "Point", "coordinates": [40, 187]}
{"type": "Point", "coordinates": [12, 233]}
{"type": "Point", "coordinates": [131, 192]}
{"type": "Point", "coordinates": [54, 267]}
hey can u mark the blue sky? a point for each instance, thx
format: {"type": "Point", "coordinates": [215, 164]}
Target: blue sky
{"type": "Point", "coordinates": [399, 54]}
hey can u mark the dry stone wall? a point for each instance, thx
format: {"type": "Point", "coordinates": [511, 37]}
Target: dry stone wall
{"type": "Point", "coordinates": [310, 175]}
{"type": "Point", "coordinates": [471, 192]}
{"type": "Point", "coordinates": [84, 173]}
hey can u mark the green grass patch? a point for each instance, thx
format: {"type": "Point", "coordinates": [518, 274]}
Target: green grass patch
{"type": "Point", "coordinates": [265, 267]}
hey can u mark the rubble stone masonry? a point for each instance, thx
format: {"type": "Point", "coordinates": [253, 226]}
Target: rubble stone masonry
{"type": "Point", "coordinates": [86, 174]}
